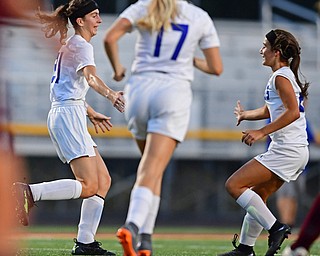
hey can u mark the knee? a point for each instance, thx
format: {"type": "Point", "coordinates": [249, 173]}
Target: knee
{"type": "Point", "coordinates": [104, 184]}
{"type": "Point", "coordinates": [228, 185]}
{"type": "Point", "coordinates": [231, 187]}
{"type": "Point", "coordinates": [89, 189]}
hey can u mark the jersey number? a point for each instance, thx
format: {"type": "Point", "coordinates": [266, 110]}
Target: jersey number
{"type": "Point", "coordinates": [301, 98]}
{"type": "Point", "coordinates": [177, 27]}
{"type": "Point", "coordinates": [56, 69]}
{"type": "Point", "coordinates": [301, 107]}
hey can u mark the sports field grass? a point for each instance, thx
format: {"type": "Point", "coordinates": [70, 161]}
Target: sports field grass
{"type": "Point", "coordinates": [49, 241]}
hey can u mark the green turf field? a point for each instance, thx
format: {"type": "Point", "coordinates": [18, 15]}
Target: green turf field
{"type": "Point", "coordinates": [45, 241]}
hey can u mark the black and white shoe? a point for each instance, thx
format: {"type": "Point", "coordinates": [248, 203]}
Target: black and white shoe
{"type": "Point", "coordinates": [93, 248]}
{"type": "Point", "coordinates": [276, 239]}
{"type": "Point", "coordinates": [237, 251]}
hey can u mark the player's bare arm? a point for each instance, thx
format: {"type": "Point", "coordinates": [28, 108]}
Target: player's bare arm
{"type": "Point", "coordinates": [212, 64]}
{"type": "Point", "coordinates": [113, 34]}
{"type": "Point", "coordinates": [116, 97]}
{"type": "Point", "coordinates": [255, 114]}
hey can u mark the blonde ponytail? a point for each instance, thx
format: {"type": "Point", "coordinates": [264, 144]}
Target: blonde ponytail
{"type": "Point", "coordinates": [160, 14]}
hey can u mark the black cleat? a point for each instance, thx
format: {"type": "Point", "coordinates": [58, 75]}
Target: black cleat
{"type": "Point", "coordinates": [89, 249]}
{"type": "Point", "coordinates": [237, 251]}
{"type": "Point", "coordinates": [276, 239]}
{"type": "Point", "coordinates": [24, 201]}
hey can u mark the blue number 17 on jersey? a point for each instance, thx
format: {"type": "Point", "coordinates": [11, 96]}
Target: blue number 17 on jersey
{"type": "Point", "coordinates": [177, 27]}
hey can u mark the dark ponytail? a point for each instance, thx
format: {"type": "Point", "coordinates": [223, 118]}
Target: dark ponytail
{"type": "Point", "coordinates": [289, 49]}
{"type": "Point", "coordinates": [294, 66]}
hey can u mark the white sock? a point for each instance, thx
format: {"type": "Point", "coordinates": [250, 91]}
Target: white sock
{"type": "Point", "coordinates": [140, 203]}
{"type": "Point", "coordinates": [56, 190]}
{"type": "Point", "coordinates": [254, 205]}
{"type": "Point", "coordinates": [91, 211]}
{"type": "Point", "coordinates": [148, 225]}
{"type": "Point", "coordinates": [250, 230]}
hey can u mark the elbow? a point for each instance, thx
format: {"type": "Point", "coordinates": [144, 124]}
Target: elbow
{"type": "Point", "coordinates": [106, 40]}
{"type": "Point", "coordinates": [109, 39]}
{"type": "Point", "coordinates": [297, 115]}
{"type": "Point", "coordinates": [218, 71]}
{"type": "Point", "coordinates": [215, 68]}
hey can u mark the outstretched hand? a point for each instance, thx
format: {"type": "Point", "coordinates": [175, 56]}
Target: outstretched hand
{"type": "Point", "coordinates": [238, 111]}
{"type": "Point", "coordinates": [99, 121]}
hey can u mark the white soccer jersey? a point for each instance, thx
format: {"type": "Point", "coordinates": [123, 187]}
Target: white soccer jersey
{"type": "Point", "coordinates": [294, 133]}
{"type": "Point", "coordinates": [154, 52]}
{"type": "Point", "coordinates": [68, 82]}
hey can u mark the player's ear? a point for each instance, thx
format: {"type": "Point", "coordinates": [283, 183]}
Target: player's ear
{"type": "Point", "coordinates": [80, 22]}
{"type": "Point", "coordinates": [277, 53]}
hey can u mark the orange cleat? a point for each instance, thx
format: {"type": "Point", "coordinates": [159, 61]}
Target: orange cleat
{"type": "Point", "coordinates": [128, 241]}
{"type": "Point", "coordinates": [144, 253]}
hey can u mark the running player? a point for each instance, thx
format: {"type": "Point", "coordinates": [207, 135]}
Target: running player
{"type": "Point", "coordinates": [158, 96]}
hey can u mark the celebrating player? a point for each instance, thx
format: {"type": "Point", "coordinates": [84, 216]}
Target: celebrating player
{"type": "Point", "coordinates": [288, 153]}
{"type": "Point", "coordinates": [74, 74]}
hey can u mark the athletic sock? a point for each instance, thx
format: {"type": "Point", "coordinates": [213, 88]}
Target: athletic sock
{"type": "Point", "coordinates": [140, 203]}
{"type": "Point", "coordinates": [91, 211]}
{"type": "Point", "coordinates": [254, 205]}
{"type": "Point", "coordinates": [250, 230]}
{"type": "Point", "coordinates": [56, 190]}
{"type": "Point", "coordinates": [310, 229]}
{"type": "Point", "coordinates": [148, 225]}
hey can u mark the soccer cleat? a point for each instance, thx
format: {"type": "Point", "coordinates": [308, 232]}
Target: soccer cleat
{"type": "Point", "coordinates": [128, 241]}
{"type": "Point", "coordinates": [276, 239]}
{"type": "Point", "coordinates": [299, 251]}
{"type": "Point", "coordinates": [145, 245]}
{"type": "Point", "coordinates": [93, 248]}
{"type": "Point", "coordinates": [237, 251]}
{"type": "Point", "coordinates": [24, 201]}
